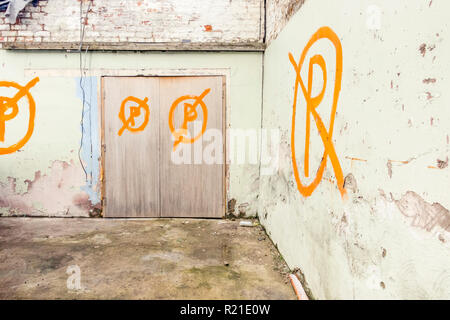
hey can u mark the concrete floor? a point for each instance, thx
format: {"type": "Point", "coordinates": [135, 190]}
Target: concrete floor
{"type": "Point", "coordinates": [139, 259]}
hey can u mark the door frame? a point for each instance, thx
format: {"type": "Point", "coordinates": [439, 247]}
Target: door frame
{"type": "Point", "coordinates": [223, 73]}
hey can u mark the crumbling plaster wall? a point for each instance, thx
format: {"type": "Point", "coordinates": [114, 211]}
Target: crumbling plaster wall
{"type": "Point", "coordinates": [151, 21]}
{"type": "Point", "coordinates": [389, 236]}
{"type": "Point", "coordinates": [45, 177]}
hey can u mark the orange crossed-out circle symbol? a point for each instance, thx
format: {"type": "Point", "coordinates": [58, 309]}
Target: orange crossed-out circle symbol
{"type": "Point", "coordinates": [135, 111]}
{"type": "Point", "coordinates": [190, 114]}
{"type": "Point", "coordinates": [9, 109]}
{"type": "Point", "coordinates": [311, 104]}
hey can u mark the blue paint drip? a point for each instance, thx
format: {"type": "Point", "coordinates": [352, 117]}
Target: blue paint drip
{"type": "Point", "coordinates": [91, 149]}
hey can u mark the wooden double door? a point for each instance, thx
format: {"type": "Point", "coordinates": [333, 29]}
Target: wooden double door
{"type": "Point", "coordinates": [154, 132]}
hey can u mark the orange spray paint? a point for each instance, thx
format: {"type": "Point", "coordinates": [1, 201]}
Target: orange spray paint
{"type": "Point", "coordinates": [311, 104]}
{"type": "Point", "coordinates": [11, 105]}
{"type": "Point", "coordinates": [135, 111]}
{"type": "Point", "coordinates": [190, 114]}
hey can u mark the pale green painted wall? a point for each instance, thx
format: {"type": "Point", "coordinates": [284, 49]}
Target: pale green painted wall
{"type": "Point", "coordinates": [50, 159]}
{"type": "Point", "coordinates": [390, 238]}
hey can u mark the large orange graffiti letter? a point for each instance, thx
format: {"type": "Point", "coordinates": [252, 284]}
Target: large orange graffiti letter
{"type": "Point", "coordinates": [311, 105]}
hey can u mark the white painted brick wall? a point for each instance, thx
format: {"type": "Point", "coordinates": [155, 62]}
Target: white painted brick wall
{"type": "Point", "coordinates": [278, 14]}
{"type": "Point", "coordinates": [149, 21]}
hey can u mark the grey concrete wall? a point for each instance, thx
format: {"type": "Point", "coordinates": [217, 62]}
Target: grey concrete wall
{"type": "Point", "coordinates": [375, 223]}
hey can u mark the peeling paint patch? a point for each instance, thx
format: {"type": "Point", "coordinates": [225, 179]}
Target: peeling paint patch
{"type": "Point", "coordinates": [47, 194]}
{"type": "Point", "coordinates": [422, 214]}
{"type": "Point", "coordinates": [429, 96]}
{"type": "Point", "coordinates": [30, 183]}
{"type": "Point", "coordinates": [389, 167]}
{"type": "Point", "coordinates": [429, 80]}
{"type": "Point", "coordinates": [441, 164]}
{"type": "Point", "coordinates": [423, 49]}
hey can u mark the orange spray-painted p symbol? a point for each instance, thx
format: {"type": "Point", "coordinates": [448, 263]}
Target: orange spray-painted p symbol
{"type": "Point", "coordinates": [190, 114]}
{"type": "Point", "coordinates": [135, 111]}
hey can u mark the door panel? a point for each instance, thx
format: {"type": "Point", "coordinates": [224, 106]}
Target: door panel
{"type": "Point", "coordinates": [142, 177]}
{"type": "Point", "coordinates": [132, 146]}
{"type": "Point", "coordinates": [196, 189]}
